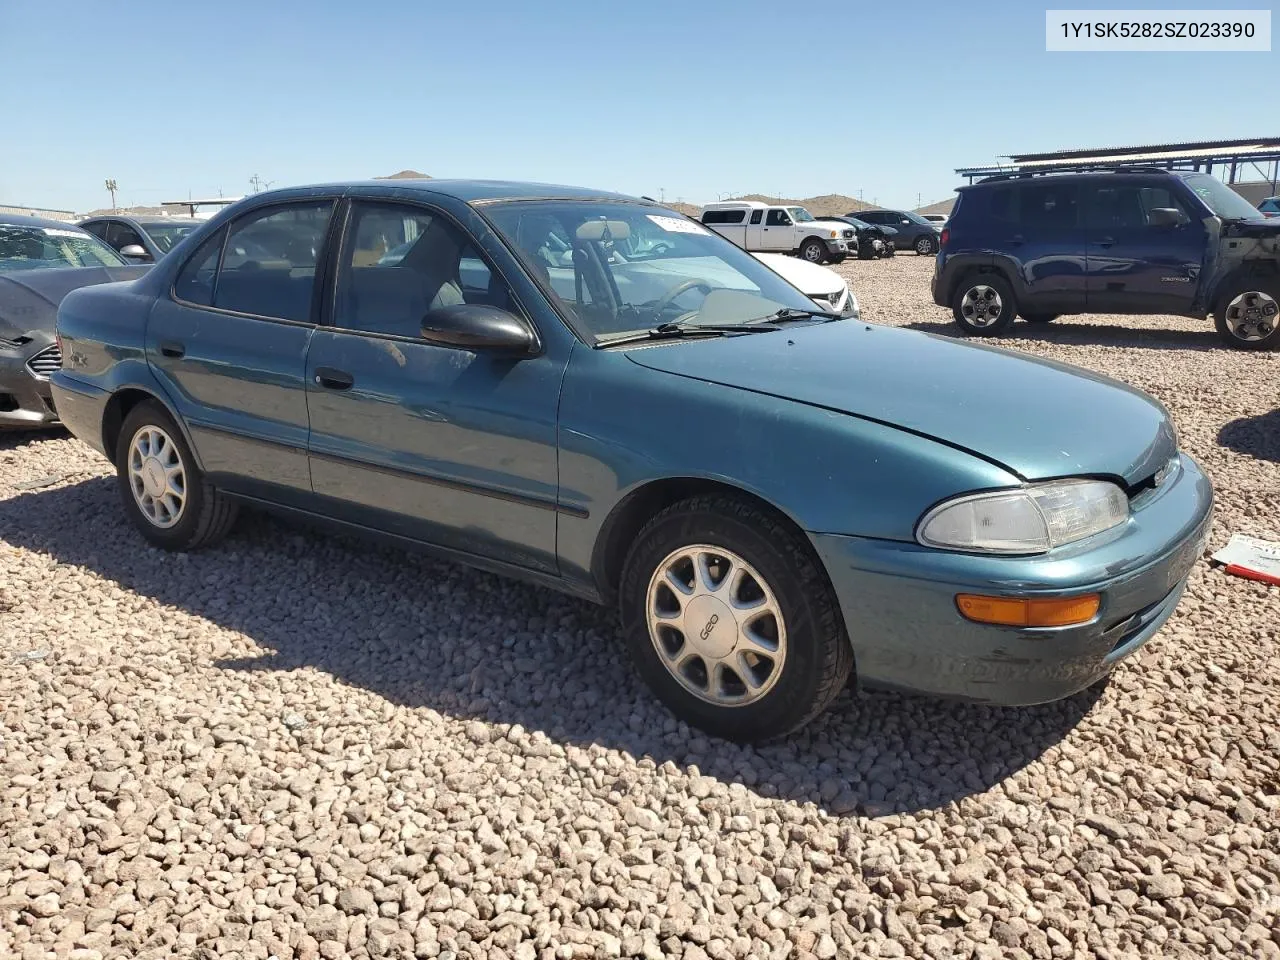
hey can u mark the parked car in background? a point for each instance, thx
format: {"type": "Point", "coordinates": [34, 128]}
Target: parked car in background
{"type": "Point", "coordinates": [774, 497]}
{"type": "Point", "coordinates": [1129, 241]}
{"type": "Point", "coordinates": [40, 261]}
{"type": "Point", "coordinates": [914, 231]}
{"type": "Point", "coordinates": [140, 239]}
{"type": "Point", "coordinates": [1270, 207]}
{"type": "Point", "coordinates": [872, 239]}
{"type": "Point", "coordinates": [754, 225]}
{"type": "Point", "coordinates": [822, 285]}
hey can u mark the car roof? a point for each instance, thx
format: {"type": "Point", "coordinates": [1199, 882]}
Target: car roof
{"type": "Point", "coordinates": [18, 220]}
{"type": "Point", "coordinates": [480, 191]}
{"type": "Point", "coordinates": [144, 221]}
{"type": "Point", "coordinates": [1003, 178]}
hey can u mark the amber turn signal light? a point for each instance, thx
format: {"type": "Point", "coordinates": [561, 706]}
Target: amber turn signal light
{"type": "Point", "coordinates": [1037, 612]}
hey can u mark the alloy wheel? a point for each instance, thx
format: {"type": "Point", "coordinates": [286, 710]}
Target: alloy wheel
{"type": "Point", "coordinates": [716, 625]}
{"type": "Point", "coordinates": [1252, 316]}
{"type": "Point", "coordinates": [981, 306]}
{"type": "Point", "coordinates": [157, 476]}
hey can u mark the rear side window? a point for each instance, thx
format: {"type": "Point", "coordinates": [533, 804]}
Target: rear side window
{"type": "Point", "coordinates": [756, 216]}
{"type": "Point", "coordinates": [269, 264]}
{"type": "Point", "coordinates": [1050, 206]}
{"type": "Point", "coordinates": [1002, 205]}
{"type": "Point", "coordinates": [724, 216]}
{"type": "Point", "coordinates": [196, 278]}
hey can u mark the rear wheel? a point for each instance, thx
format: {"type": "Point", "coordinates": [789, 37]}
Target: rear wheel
{"type": "Point", "coordinates": [813, 250]}
{"type": "Point", "coordinates": [731, 621]}
{"type": "Point", "coordinates": [926, 246]}
{"type": "Point", "coordinates": [983, 305]}
{"type": "Point", "coordinates": [163, 491]}
{"type": "Point", "coordinates": [1248, 314]}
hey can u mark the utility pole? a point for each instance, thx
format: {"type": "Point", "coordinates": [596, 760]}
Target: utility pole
{"type": "Point", "coordinates": [259, 184]}
{"type": "Point", "coordinates": [919, 201]}
{"type": "Point", "coordinates": [662, 194]}
{"type": "Point", "coordinates": [111, 189]}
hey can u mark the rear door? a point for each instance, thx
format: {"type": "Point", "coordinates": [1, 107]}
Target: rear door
{"type": "Point", "coordinates": [755, 227]}
{"type": "Point", "coordinates": [442, 444]}
{"type": "Point", "coordinates": [730, 224]}
{"type": "Point", "coordinates": [1136, 266]}
{"type": "Point", "coordinates": [230, 345]}
{"type": "Point", "coordinates": [1044, 240]}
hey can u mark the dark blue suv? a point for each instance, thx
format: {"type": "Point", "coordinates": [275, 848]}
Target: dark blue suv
{"type": "Point", "coordinates": [1128, 241]}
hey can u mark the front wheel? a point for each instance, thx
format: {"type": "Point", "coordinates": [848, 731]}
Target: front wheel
{"type": "Point", "coordinates": [983, 305]}
{"type": "Point", "coordinates": [1248, 315]}
{"type": "Point", "coordinates": [163, 491]}
{"type": "Point", "coordinates": [731, 621]}
{"type": "Point", "coordinates": [926, 246]}
{"type": "Point", "coordinates": [813, 250]}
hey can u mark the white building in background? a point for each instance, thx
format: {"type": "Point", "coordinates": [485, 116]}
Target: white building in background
{"type": "Point", "coordinates": [67, 216]}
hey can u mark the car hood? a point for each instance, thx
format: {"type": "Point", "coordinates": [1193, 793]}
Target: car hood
{"type": "Point", "coordinates": [1037, 418]}
{"type": "Point", "coordinates": [29, 298]}
{"type": "Point", "coordinates": [809, 278]}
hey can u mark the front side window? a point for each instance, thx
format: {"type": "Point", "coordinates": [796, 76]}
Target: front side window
{"type": "Point", "coordinates": [269, 263]}
{"type": "Point", "coordinates": [166, 235]}
{"type": "Point", "coordinates": [618, 267]}
{"type": "Point", "coordinates": [777, 218]}
{"type": "Point", "coordinates": [121, 235]}
{"type": "Point", "coordinates": [196, 278]}
{"type": "Point", "coordinates": [401, 262]}
{"type": "Point", "coordinates": [34, 248]}
{"type": "Point", "coordinates": [1127, 206]}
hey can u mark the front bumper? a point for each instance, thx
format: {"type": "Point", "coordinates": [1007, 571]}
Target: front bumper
{"type": "Point", "coordinates": [25, 398]}
{"type": "Point", "coordinates": [837, 248]}
{"type": "Point", "coordinates": [898, 601]}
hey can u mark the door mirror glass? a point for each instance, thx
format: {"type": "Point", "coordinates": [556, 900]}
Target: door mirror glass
{"type": "Point", "coordinates": [1166, 217]}
{"type": "Point", "coordinates": [479, 327]}
{"type": "Point", "coordinates": [134, 251]}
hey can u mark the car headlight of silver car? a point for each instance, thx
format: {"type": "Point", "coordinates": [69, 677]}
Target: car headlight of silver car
{"type": "Point", "coordinates": [850, 309]}
{"type": "Point", "coordinates": [1032, 519]}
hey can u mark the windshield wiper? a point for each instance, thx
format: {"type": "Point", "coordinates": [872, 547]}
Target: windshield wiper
{"type": "Point", "coordinates": [787, 314]}
{"type": "Point", "coordinates": [673, 329]}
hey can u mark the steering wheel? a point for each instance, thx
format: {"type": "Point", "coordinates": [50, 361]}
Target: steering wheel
{"type": "Point", "coordinates": [670, 296]}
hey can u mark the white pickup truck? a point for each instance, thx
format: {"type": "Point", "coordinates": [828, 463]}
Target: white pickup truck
{"type": "Point", "coordinates": [758, 226]}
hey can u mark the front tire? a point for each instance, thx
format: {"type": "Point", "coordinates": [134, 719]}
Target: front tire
{"type": "Point", "coordinates": [163, 491]}
{"type": "Point", "coordinates": [926, 246]}
{"type": "Point", "coordinates": [983, 305]}
{"type": "Point", "coordinates": [813, 250]}
{"type": "Point", "coordinates": [1248, 314]}
{"type": "Point", "coordinates": [731, 621]}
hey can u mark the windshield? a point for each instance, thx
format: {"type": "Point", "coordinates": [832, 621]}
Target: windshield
{"type": "Point", "coordinates": [1220, 198]}
{"type": "Point", "coordinates": [165, 235]}
{"type": "Point", "coordinates": [620, 268]}
{"type": "Point", "coordinates": [917, 218]}
{"type": "Point", "coordinates": [800, 214]}
{"type": "Point", "coordinates": [33, 248]}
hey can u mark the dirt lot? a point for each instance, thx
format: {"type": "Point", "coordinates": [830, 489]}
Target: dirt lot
{"type": "Point", "coordinates": [293, 745]}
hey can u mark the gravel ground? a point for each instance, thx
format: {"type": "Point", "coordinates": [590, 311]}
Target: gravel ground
{"type": "Point", "coordinates": [296, 746]}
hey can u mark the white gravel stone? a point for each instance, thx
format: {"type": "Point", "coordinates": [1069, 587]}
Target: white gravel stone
{"type": "Point", "coordinates": [303, 746]}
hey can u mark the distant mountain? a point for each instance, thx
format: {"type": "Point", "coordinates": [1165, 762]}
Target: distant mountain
{"type": "Point", "coordinates": [942, 206]}
{"type": "Point", "coordinates": [406, 175]}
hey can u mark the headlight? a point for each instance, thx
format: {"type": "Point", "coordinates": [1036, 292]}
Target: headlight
{"type": "Point", "coordinates": [1033, 519]}
{"type": "Point", "coordinates": [835, 234]}
{"type": "Point", "coordinates": [850, 310]}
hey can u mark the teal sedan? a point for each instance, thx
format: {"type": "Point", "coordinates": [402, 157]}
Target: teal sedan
{"type": "Point", "coordinates": [597, 394]}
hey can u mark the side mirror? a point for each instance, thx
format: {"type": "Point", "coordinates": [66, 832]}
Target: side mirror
{"type": "Point", "coordinates": [479, 327]}
{"type": "Point", "coordinates": [134, 251]}
{"type": "Point", "coordinates": [1166, 217]}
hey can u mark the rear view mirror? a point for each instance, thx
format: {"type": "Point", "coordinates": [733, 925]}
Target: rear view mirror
{"type": "Point", "coordinates": [133, 251]}
{"type": "Point", "coordinates": [1166, 217]}
{"type": "Point", "coordinates": [479, 327]}
{"type": "Point", "coordinates": [604, 230]}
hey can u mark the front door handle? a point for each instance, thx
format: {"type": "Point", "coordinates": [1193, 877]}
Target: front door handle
{"type": "Point", "coordinates": [171, 348]}
{"type": "Point", "coordinates": [332, 379]}
{"type": "Point", "coordinates": [1017, 241]}
{"type": "Point", "coordinates": [1105, 242]}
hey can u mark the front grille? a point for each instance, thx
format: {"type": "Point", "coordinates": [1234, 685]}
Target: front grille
{"type": "Point", "coordinates": [848, 234]}
{"type": "Point", "coordinates": [45, 362]}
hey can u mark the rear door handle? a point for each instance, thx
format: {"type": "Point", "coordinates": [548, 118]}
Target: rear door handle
{"type": "Point", "coordinates": [1017, 241]}
{"type": "Point", "coordinates": [1105, 242]}
{"type": "Point", "coordinates": [171, 348]}
{"type": "Point", "coordinates": [332, 379]}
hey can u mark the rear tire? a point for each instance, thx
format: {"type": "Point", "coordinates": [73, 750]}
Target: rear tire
{"type": "Point", "coordinates": [163, 491]}
{"type": "Point", "coordinates": [742, 675]}
{"type": "Point", "coordinates": [983, 305]}
{"type": "Point", "coordinates": [926, 246]}
{"type": "Point", "coordinates": [813, 250]}
{"type": "Point", "coordinates": [1248, 314]}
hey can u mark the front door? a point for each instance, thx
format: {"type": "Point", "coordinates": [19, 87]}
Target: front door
{"type": "Point", "coordinates": [1136, 265]}
{"type": "Point", "coordinates": [230, 347]}
{"type": "Point", "coordinates": [779, 233]}
{"type": "Point", "coordinates": [435, 443]}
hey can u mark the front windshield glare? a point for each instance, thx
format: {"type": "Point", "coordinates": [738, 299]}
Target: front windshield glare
{"type": "Point", "coordinates": [1221, 199]}
{"type": "Point", "coordinates": [165, 235]}
{"type": "Point", "coordinates": [620, 268]}
{"type": "Point", "coordinates": [33, 248]}
{"type": "Point", "coordinates": [800, 214]}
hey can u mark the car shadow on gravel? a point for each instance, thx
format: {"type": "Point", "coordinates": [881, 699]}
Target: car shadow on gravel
{"type": "Point", "coordinates": [1257, 437]}
{"type": "Point", "coordinates": [1079, 334]}
{"type": "Point", "coordinates": [428, 634]}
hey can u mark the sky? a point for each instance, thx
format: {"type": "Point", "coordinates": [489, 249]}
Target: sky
{"type": "Point", "coordinates": [684, 100]}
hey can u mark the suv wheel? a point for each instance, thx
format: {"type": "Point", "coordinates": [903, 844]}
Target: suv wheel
{"type": "Point", "coordinates": [731, 621]}
{"type": "Point", "coordinates": [926, 246]}
{"type": "Point", "coordinates": [983, 305]}
{"type": "Point", "coordinates": [813, 250]}
{"type": "Point", "coordinates": [163, 491]}
{"type": "Point", "coordinates": [1248, 315]}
